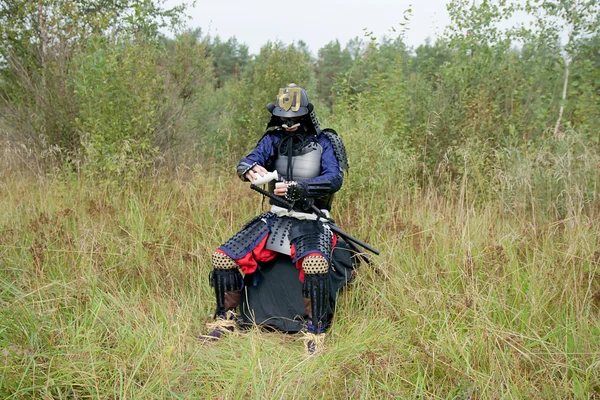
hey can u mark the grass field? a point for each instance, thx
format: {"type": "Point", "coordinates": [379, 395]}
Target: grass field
{"type": "Point", "coordinates": [474, 169]}
{"type": "Point", "coordinates": [103, 290]}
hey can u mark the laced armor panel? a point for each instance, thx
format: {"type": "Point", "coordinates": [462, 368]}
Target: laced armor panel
{"type": "Point", "coordinates": [249, 236]}
{"type": "Point", "coordinates": [315, 121]}
{"type": "Point", "coordinates": [338, 148]}
{"type": "Point", "coordinates": [279, 240]}
{"type": "Point", "coordinates": [225, 281]}
{"type": "Point", "coordinates": [311, 236]}
{"type": "Point", "coordinates": [316, 289]}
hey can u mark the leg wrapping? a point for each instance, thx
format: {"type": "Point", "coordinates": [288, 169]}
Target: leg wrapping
{"type": "Point", "coordinates": [228, 285]}
{"type": "Point", "coordinates": [316, 300]}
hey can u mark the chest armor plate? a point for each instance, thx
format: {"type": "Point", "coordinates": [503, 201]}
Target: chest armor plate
{"type": "Point", "coordinates": [306, 163]}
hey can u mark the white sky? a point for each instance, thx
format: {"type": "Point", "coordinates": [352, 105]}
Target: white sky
{"type": "Point", "coordinates": [254, 22]}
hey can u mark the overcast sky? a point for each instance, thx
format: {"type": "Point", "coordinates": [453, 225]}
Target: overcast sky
{"type": "Point", "coordinates": [254, 22]}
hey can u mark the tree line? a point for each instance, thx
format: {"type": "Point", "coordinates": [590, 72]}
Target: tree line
{"type": "Point", "coordinates": [96, 86]}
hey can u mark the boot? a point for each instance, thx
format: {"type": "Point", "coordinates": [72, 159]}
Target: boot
{"type": "Point", "coordinates": [228, 292]}
{"type": "Point", "coordinates": [222, 325]}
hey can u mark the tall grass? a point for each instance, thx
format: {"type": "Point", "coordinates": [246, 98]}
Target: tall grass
{"type": "Point", "coordinates": [478, 293]}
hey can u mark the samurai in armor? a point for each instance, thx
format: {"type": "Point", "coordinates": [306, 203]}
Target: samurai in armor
{"type": "Point", "coordinates": [310, 163]}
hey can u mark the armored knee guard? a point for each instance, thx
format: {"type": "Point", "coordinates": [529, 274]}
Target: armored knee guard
{"type": "Point", "coordinates": [228, 283]}
{"type": "Point", "coordinates": [316, 292]}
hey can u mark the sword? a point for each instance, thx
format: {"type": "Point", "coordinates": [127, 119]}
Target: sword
{"type": "Point", "coordinates": [290, 206]}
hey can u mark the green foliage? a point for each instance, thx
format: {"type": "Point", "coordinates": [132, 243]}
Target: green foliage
{"type": "Point", "coordinates": [229, 58]}
{"type": "Point", "coordinates": [133, 100]}
{"type": "Point", "coordinates": [187, 62]}
{"type": "Point", "coordinates": [332, 62]}
{"type": "Point", "coordinates": [40, 43]}
{"type": "Point", "coordinates": [585, 88]}
{"type": "Point", "coordinates": [188, 70]}
{"type": "Point", "coordinates": [118, 87]}
{"type": "Point", "coordinates": [429, 58]}
{"type": "Point", "coordinates": [481, 88]}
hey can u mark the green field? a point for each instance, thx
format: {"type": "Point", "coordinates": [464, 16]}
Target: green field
{"type": "Point", "coordinates": [474, 169]}
{"type": "Point", "coordinates": [104, 290]}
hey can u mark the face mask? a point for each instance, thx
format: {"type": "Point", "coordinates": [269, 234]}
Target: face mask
{"type": "Point", "coordinates": [289, 122]}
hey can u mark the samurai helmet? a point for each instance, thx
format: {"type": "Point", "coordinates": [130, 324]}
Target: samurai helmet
{"type": "Point", "coordinates": [292, 101]}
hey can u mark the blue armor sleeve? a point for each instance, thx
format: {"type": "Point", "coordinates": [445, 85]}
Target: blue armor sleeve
{"type": "Point", "coordinates": [331, 178]}
{"type": "Point", "coordinates": [260, 155]}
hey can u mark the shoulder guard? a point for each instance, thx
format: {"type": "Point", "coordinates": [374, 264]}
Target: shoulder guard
{"type": "Point", "coordinates": [338, 148]}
